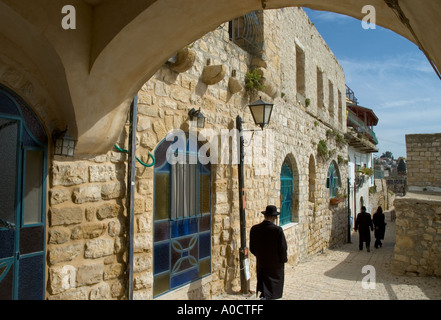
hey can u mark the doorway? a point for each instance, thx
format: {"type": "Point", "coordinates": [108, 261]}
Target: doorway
{"type": "Point", "coordinates": [23, 156]}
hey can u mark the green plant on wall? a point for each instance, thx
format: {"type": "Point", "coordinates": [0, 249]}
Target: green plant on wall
{"type": "Point", "coordinates": [254, 81]}
{"type": "Point", "coordinates": [322, 149]}
{"type": "Point", "coordinates": [366, 171]}
{"type": "Point", "coordinates": [307, 102]}
{"type": "Point", "coordinates": [340, 159]}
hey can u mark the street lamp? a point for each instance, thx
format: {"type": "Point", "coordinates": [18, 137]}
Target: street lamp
{"type": "Point", "coordinates": [261, 112]}
{"type": "Point", "coordinates": [64, 143]}
{"type": "Point", "coordinates": [199, 117]}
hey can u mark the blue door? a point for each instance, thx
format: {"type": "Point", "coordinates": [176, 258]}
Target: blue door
{"type": "Point", "coordinates": [22, 200]}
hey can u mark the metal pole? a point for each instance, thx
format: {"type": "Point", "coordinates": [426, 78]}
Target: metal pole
{"type": "Point", "coordinates": [243, 251]}
{"type": "Point", "coordinates": [131, 193]}
{"type": "Point", "coordinates": [349, 211]}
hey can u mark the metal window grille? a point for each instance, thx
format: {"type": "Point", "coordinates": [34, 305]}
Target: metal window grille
{"type": "Point", "coordinates": [247, 32]}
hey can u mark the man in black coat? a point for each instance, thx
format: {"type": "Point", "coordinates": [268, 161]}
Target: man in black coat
{"type": "Point", "coordinates": [268, 244]}
{"type": "Point", "coordinates": [363, 223]}
{"type": "Point", "coordinates": [380, 226]}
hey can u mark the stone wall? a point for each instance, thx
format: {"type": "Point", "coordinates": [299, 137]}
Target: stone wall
{"type": "Point", "coordinates": [87, 217]}
{"type": "Point", "coordinates": [418, 235]}
{"type": "Point", "coordinates": [423, 165]}
{"type": "Point", "coordinates": [86, 229]}
{"type": "Point", "coordinates": [397, 184]}
{"type": "Point", "coordinates": [381, 196]}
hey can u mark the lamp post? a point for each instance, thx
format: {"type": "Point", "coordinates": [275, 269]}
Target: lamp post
{"type": "Point", "coordinates": [261, 112]}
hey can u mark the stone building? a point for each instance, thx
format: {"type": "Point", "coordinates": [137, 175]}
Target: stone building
{"type": "Point", "coordinates": [184, 239]}
{"type": "Point", "coordinates": [418, 233]}
{"type": "Point", "coordinates": [362, 144]}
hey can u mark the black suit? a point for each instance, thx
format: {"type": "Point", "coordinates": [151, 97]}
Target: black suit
{"type": "Point", "coordinates": [363, 223]}
{"type": "Point", "coordinates": [268, 244]}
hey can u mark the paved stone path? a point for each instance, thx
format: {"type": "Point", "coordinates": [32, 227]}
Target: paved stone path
{"type": "Point", "coordinates": [337, 274]}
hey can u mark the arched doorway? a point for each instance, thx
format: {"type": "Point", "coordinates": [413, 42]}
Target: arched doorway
{"type": "Point", "coordinates": [23, 155]}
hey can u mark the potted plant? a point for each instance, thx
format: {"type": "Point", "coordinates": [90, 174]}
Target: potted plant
{"type": "Point", "coordinates": [335, 200]}
{"type": "Point", "coordinates": [340, 197]}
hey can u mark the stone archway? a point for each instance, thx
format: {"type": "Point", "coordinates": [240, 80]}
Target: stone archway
{"type": "Point", "coordinates": [94, 71]}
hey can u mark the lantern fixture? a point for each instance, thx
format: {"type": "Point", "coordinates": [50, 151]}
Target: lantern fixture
{"type": "Point", "coordinates": [64, 143]}
{"type": "Point", "coordinates": [200, 119]}
{"type": "Point", "coordinates": [261, 111]}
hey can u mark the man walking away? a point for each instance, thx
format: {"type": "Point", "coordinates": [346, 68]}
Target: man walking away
{"type": "Point", "coordinates": [268, 244]}
{"type": "Point", "coordinates": [380, 227]}
{"type": "Point", "coordinates": [362, 224]}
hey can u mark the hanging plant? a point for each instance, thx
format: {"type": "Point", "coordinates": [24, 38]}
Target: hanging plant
{"type": "Point", "coordinates": [366, 171]}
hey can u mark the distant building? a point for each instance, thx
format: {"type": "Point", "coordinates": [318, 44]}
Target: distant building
{"type": "Point", "coordinates": [362, 144]}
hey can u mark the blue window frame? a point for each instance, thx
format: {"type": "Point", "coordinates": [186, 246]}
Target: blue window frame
{"type": "Point", "coordinates": [23, 157]}
{"type": "Point", "coordinates": [286, 192]}
{"type": "Point", "coordinates": [182, 219]}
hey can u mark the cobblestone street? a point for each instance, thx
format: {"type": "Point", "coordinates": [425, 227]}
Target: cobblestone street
{"type": "Point", "coordinates": [337, 274]}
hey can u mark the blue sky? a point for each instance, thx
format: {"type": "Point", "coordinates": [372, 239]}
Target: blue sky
{"type": "Point", "coordinates": [388, 74]}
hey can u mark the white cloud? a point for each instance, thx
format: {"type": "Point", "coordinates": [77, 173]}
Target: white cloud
{"type": "Point", "coordinates": [330, 17]}
{"type": "Point", "coordinates": [389, 75]}
{"type": "Point", "coordinates": [403, 92]}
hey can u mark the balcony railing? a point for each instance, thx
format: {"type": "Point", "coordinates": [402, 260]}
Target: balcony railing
{"type": "Point", "coordinates": [351, 95]}
{"type": "Point", "coordinates": [359, 126]}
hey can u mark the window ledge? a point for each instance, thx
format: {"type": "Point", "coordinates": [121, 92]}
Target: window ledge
{"type": "Point", "coordinates": [289, 225]}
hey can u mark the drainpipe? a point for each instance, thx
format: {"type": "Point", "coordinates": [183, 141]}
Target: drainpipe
{"type": "Point", "coordinates": [349, 211]}
{"type": "Point", "coordinates": [131, 194]}
{"type": "Point", "coordinates": [243, 251]}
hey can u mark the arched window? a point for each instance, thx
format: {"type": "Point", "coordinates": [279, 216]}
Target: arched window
{"type": "Point", "coordinates": [182, 216]}
{"type": "Point", "coordinates": [333, 179]}
{"type": "Point", "coordinates": [286, 192]}
{"type": "Point", "coordinates": [23, 157]}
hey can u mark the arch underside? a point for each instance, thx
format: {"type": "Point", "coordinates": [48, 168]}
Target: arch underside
{"type": "Point", "coordinates": [87, 77]}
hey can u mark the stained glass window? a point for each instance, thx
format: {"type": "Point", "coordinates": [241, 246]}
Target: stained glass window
{"type": "Point", "coordinates": [333, 180]}
{"type": "Point", "coordinates": [182, 217]}
{"type": "Point", "coordinates": [286, 192]}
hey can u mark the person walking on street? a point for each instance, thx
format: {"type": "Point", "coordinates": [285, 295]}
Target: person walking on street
{"type": "Point", "coordinates": [268, 244]}
{"type": "Point", "coordinates": [363, 223]}
{"type": "Point", "coordinates": [380, 227]}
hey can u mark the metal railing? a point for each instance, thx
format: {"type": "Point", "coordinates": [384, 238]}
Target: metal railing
{"type": "Point", "coordinates": [359, 126]}
{"type": "Point", "coordinates": [351, 95]}
{"type": "Point", "coordinates": [247, 32]}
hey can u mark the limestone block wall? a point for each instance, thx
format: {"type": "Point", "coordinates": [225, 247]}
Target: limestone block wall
{"type": "Point", "coordinates": [423, 161]}
{"type": "Point", "coordinates": [86, 228]}
{"type": "Point", "coordinates": [88, 215]}
{"type": "Point", "coordinates": [418, 236]}
{"type": "Point", "coordinates": [382, 196]}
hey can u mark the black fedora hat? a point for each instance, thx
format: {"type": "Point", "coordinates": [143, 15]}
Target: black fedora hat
{"type": "Point", "coordinates": [271, 211]}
